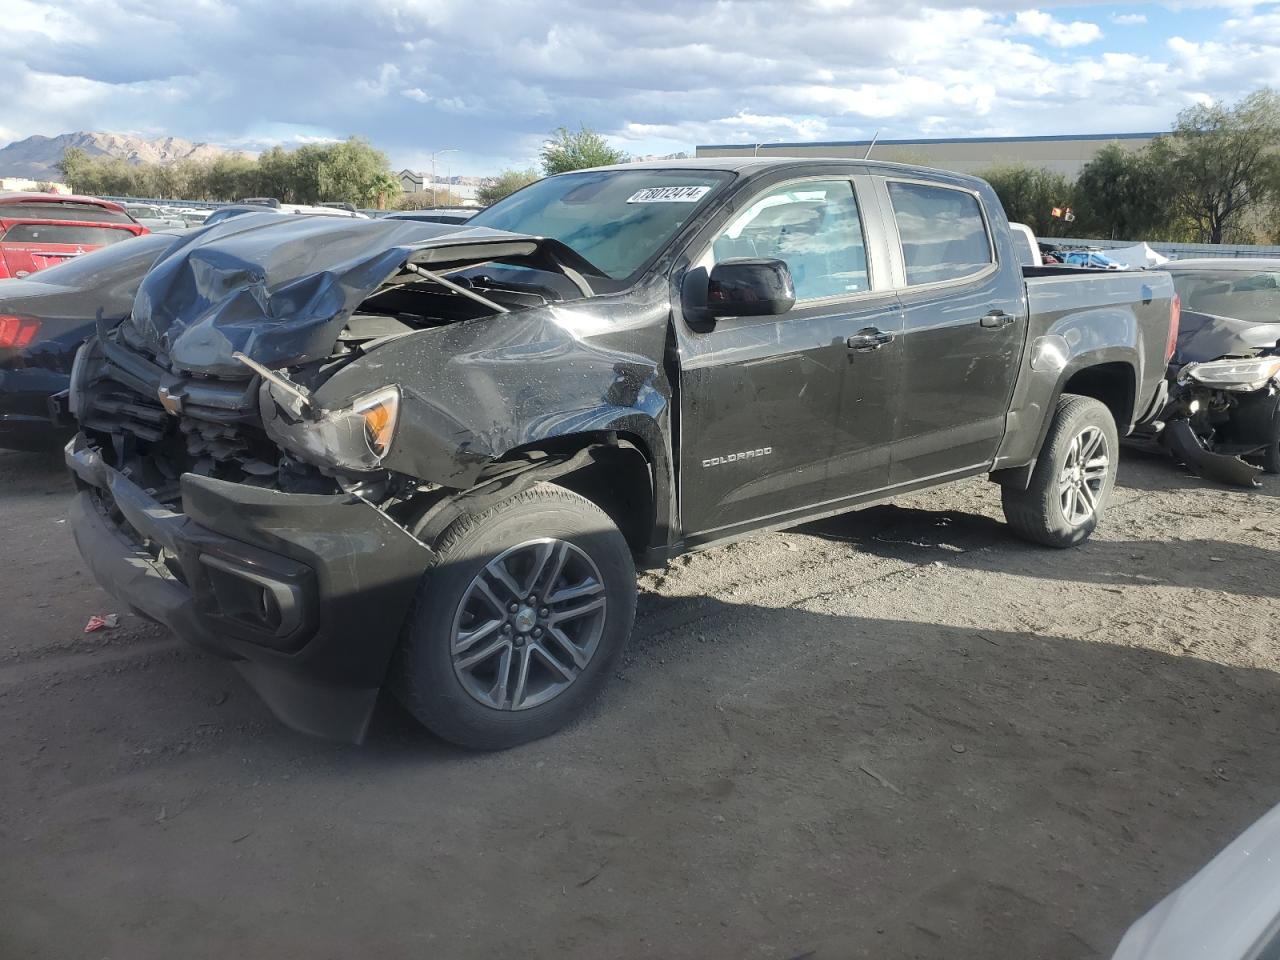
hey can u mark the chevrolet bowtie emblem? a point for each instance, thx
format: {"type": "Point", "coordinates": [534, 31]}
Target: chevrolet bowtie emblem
{"type": "Point", "coordinates": [171, 402]}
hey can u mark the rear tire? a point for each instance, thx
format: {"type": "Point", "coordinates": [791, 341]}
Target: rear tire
{"type": "Point", "coordinates": [1073, 476]}
{"type": "Point", "coordinates": [520, 621]}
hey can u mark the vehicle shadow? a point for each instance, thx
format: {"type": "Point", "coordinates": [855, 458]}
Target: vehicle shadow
{"type": "Point", "coordinates": [975, 541]}
{"type": "Point", "coordinates": [23, 473]}
{"type": "Point", "coordinates": [873, 787]}
{"type": "Point", "coordinates": [964, 540]}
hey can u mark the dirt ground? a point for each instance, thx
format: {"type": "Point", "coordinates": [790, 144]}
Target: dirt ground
{"type": "Point", "coordinates": [898, 733]}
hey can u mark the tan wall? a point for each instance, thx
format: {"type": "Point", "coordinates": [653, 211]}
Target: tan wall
{"type": "Point", "coordinates": [1063, 156]}
{"type": "Point", "coordinates": [31, 186]}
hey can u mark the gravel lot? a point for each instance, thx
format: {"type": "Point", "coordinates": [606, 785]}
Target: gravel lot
{"type": "Point", "coordinates": [898, 733]}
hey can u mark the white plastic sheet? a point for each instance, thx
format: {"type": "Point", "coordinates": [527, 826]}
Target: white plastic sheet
{"type": "Point", "coordinates": [1138, 255]}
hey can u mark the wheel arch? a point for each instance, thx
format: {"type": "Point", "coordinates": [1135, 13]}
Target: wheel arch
{"type": "Point", "coordinates": [614, 469]}
{"type": "Point", "coordinates": [1108, 376]}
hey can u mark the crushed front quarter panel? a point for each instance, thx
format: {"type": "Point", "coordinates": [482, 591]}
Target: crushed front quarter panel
{"type": "Point", "coordinates": [473, 391]}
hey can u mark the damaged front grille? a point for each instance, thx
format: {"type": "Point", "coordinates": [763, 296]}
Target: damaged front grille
{"type": "Point", "coordinates": [182, 423]}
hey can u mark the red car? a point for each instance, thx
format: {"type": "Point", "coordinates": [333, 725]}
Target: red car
{"type": "Point", "coordinates": [38, 230]}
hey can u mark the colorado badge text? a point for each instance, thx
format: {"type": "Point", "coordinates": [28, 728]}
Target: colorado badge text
{"type": "Point", "coordinates": [741, 455]}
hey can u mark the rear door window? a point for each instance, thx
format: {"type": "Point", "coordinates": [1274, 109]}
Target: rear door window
{"type": "Point", "coordinates": [943, 233]}
{"type": "Point", "coordinates": [813, 226]}
{"type": "Point", "coordinates": [64, 233]}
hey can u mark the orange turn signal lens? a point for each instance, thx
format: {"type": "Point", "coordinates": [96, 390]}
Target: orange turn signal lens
{"type": "Point", "coordinates": [379, 413]}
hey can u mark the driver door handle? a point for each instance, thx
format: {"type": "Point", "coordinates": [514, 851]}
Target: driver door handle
{"type": "Point", "coordinates": [996, 319]}
{"type": "Point", "coordinates": [868, 339]}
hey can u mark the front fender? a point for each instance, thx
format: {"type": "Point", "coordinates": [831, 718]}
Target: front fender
{"type": "Point", "coordinates": [474, 391]}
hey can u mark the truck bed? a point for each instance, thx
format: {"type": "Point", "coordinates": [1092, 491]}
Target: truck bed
{"type": "Point", "coordinates": [1120, 316]}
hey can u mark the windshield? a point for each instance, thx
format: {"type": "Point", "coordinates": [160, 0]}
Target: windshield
{"type": "Point", "coordinates": [1240, 294]}
{"type": "Point", "coordinates": [616, 219]}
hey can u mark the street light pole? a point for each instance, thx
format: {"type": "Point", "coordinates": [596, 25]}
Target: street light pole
{"type": "Point", "coordinates": [765, 143]}
{"type": "Point", "coordinates": [434, 154]}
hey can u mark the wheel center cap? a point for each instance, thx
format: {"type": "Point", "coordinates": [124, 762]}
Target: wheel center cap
{"type": "Point", "coordinates": [525, 619]}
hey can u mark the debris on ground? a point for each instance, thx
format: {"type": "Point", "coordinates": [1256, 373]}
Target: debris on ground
{"type": "Point", "coordinates": [877, 778]}
{"type": "Point", "coordinates": [98, 622]}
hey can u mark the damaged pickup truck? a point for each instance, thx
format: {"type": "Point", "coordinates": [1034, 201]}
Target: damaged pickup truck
{"type": "Point", "coordinates": [357, 455]}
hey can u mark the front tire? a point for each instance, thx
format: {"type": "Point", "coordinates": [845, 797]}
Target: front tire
{"type": "Point", "coordinates": [1271, 457]}
{"type": "Point", "coordinates": [1073, 476]}
{"type": "Point", "coordinates": [519, 622]}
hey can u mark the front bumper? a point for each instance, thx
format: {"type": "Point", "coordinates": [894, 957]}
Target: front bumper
{"type": "Point", "coordinates": [307, 594]}
{"type": "Point", "coordinates": [1180, 439]}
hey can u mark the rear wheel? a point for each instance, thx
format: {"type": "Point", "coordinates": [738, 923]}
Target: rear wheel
{"type": "Point", "coordinates": [520, 621]}
{"type": "Point", "coordinates": [1073, 476]}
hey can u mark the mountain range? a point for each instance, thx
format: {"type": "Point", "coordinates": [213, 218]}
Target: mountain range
{"type": "Point", "coordinates": [37, 157]}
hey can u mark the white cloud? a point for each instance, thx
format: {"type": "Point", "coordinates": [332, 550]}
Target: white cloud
{"type": "Point", "coordinates": [1043, 26]}
{"type": "Point", "coordinates": [417, 75]}
{"type": "Point", "coordinates": [1128, 19]}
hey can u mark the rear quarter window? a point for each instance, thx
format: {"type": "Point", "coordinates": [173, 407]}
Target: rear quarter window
{"type": "Point", "coordinates": [943, 233]}
{"type": "Point", "coordinates": [84, 212]}
{"type": "Point", "coordinates": [64, 233]}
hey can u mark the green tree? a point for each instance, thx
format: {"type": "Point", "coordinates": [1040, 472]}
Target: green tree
{"type": "Point", "coordinates": [354, 172]}
{"type": "Point", "coordinates": [276, 175]}
{"type": "Point", "coordinates": [505, 184]}
{"type": "Point", "coordinates": [74, 167]}
{"type": "Point", "coordinates": [230, 177]}
{"type": "Point", "coordinates": [567, 150]}
{"type": "Point", "coordinates": [350, 171]}
{"type": "Point", "coordinates": [1029, 194]}
{"type": "Point", "coordinates": [1122, 195]}
{"type": "Point", "coordinates": [1220, 164]}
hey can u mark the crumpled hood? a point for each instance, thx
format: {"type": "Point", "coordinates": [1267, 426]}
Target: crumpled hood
{"type": "Point", "coordinates": [1203, 337]}
{"type": "Point", "coordinates": [280, 288]}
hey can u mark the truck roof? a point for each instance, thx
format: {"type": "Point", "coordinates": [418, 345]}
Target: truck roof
{"type": "Point", "coordinates": [754, 165]}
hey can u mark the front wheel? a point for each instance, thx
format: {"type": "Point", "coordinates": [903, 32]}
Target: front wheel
{"type": "Point", "coordinates": [519, 622]}
{"type": "Point", "coordinates": [1271, 455]}
{"type": "Point", "coordinates": [1073, 476]}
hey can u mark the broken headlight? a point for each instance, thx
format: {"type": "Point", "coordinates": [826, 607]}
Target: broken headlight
{"type": "Point", "coordinates": [1238, 376]}
{"type": "Point", "coordinates": [354, 438]}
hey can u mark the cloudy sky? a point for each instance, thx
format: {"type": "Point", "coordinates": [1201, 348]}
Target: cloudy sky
{"type": "Point", "coordinates": [488, 78]}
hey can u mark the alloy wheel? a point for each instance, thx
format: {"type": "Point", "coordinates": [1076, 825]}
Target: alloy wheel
{"type": "Point", "coordinates": [1084, 475]}
{"type": "Point", "coordinates": [528, 624]}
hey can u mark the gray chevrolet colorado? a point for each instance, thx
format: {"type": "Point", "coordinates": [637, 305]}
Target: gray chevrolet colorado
{"type": "Point", "coordinates": [356, 455]}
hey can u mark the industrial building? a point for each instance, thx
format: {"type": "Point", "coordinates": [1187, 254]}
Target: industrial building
{"type": "Point", "coordinates": [1063, 154]}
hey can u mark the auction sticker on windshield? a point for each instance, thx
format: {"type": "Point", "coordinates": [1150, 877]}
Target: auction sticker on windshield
{"type": "Point", "coordinates": [668, 195]}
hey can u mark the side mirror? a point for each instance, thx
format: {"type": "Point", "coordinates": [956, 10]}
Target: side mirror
{"type": "Point", "coordinates": [750, 287]}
